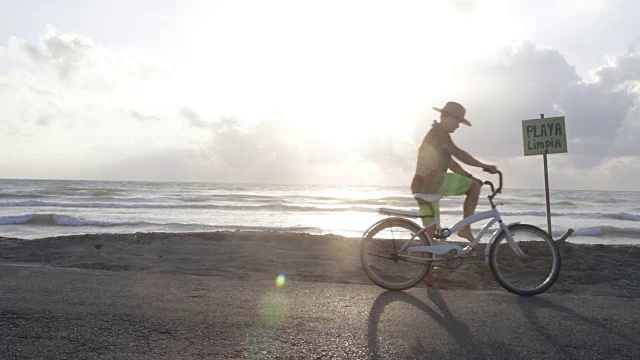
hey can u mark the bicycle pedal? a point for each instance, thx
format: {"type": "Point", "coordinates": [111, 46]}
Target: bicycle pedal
{"type": "Point", "coordinates": [473, 253]}
{"type": "Point", "coordinates": [450, 263]}
{"type": "Point", "coordinates": [451, 254]}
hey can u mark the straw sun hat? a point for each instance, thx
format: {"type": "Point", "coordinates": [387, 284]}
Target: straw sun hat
{"type": "Point", "coordinates": [454, 109]}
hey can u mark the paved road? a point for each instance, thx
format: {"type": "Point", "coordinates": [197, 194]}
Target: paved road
{"type": "Point", "coordinates": [57, 313]}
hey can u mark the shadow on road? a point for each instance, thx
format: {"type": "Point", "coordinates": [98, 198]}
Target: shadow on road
{"type": "Point", "coordinates": [531, 308]}
{"type": "Point", "coordinates": [441, 314]}
{"type": "Point", "coordinates": [517, 327]}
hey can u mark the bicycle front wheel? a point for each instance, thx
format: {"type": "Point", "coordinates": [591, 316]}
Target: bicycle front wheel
{"type": "Point", "coordinates": [528, 266]}
{"type": "Point", "coordinates": [385, 257]}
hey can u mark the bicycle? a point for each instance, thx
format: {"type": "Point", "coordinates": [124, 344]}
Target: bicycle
{"type": "Point", "coordinates": [397, 253]}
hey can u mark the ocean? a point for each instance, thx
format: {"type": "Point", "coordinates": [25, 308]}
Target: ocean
{"type": "Point", "coordinates": [31, 209]}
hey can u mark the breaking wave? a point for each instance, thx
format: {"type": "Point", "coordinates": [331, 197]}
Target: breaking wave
{"type": "Point", "coordinates": [188, 205]}
{"type": "Point", "coordinates": [71, 221]}
{"type": "Point", "coordinates": [64, 220]}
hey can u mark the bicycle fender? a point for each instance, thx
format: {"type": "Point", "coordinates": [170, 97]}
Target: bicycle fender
{"type": "Point", "coordinates": [493, 238]}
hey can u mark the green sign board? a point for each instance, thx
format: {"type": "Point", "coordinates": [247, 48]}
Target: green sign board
{"type": "Point", "coordinates": [544, 136]}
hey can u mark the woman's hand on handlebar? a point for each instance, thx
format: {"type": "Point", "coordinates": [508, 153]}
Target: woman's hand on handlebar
{"type": "Point", "coordinates": [491, 169]}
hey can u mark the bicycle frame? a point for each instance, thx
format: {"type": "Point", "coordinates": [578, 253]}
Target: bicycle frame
{"type": "Point", "coordinates": [492, 214]}
{"type": "Point", "coordinates": [445, 248]}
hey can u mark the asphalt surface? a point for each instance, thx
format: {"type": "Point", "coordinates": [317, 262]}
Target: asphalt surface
{"type": "Point", "coordinates": [61, 313]}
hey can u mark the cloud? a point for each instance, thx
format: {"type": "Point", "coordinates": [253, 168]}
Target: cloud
{"type": "Point", "coordinates": [522, 83]}
{"type": "Point", "coordinates": [602, 124]}
{"type": "Point", "coordinates": [464, 6]}
{"type": "Point", "coordinates": [140, 117]}
{"type": "Point", "coordinates": [47, 113]}
{"type": "Point", "coordinates": [25, 101]}
{"type": "Point", "coordinates": [265, 153]}
{"type": "Point", "coordinates": [622, 72]}
{"type": "Point", "coordinates": [629, 133]}
{"type": "Point", "coordinates": [619, 173]}
{"type": "Point", "coordinates": [81, 64]}
{"type": "Point", "coordinates": [531, 80]}
{"type": "Point", "coordinates": [67, 53]}
{"type": "Point", "coordinates": [604, 111]}
{"type": "Point", "coordinates": [21, 80]}
{"type": "Point", "coordinates": [596, 113]}
{"type": "Point", "coordinates": [581, 7]}
{"type": "Point", "coordinates": [602, 114]}
{"type": "Point", "coordinates": [168, 164]}
{"type": "Point", "coordinates": [389, 154]}
{"type": "Point", "coordinates": [6, 85]}
{"type": "Point", "coordinates": [68, 79]}
{"type": "Point", "coordinates": [7, 128]}
{"type": "Point", "coordinates": [269, 152]}
{"type": "Point", "coordinates": [633, 45]}
{"type": "Point", "coordinates": [192, 117]}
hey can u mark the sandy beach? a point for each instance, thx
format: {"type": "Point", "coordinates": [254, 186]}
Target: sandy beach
{"type": "Point", "coordinates": [586, 269]}
{"type": "Point", "coordinates": [214, 295]}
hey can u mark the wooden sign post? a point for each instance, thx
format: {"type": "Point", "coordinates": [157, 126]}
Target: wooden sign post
{"type": "Point", "coordinates": [541, 137]}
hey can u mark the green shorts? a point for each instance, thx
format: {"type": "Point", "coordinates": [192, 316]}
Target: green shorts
{"type": "Point", "coordinates": [452, 185]}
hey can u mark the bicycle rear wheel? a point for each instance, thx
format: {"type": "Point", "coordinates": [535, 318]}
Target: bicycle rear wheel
{"type": "Point", "coordinates": [384, 254]}
{"type": "Point", "coordinates": [530, 273]}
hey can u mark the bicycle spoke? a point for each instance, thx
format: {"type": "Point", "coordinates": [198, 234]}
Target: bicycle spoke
{"type": "Point", "coordinates": [531, 272]}
{"type": "Point", "coordinates": [383, 262]}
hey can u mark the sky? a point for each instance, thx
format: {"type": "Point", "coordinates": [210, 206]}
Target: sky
{"type": "Point", "coordinates": [314, 92]}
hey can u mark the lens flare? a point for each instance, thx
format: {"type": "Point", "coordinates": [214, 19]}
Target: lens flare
{"type": "Point", "coordinates": [274, 308]}
{"type": "Point", "coordinates": [280, 280]}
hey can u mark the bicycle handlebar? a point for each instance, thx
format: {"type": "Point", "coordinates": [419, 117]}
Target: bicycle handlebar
{"type": "Point", "coordinates": [494, 191]}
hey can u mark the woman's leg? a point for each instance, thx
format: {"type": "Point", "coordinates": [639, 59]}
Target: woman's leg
{"type": "Point", "coordinates": [470, 203]}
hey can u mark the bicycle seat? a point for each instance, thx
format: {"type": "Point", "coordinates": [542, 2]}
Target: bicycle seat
{"type": "Point", "coordinates": [428, 197]}
{"type": "Point", "coordinates": [398, 212]}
